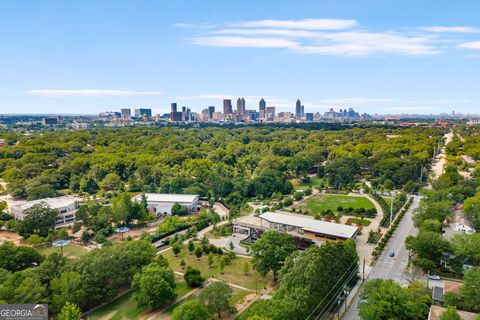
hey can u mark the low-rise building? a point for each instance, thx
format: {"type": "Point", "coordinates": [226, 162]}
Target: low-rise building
{"type": "Point", "coordinates": [66, 205]}
{"type": "Point", "coordinates": [305, 230]}
{"type": "Point", "coordinates": [162, 203]}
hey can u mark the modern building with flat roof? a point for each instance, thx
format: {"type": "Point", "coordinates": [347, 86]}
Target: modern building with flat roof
{"type": "Point", "coordinates": [66, 205]}
{"type": "Point", "coordinates": [304, 229]}
{"type": "Point", "coordinates": [162, 203]}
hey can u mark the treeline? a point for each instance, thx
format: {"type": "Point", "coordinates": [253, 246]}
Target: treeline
{"type": "Point", "coordinates": [309, 282]}
{"type": "Point", "coordinates": [230, 163]}
{"type": "Point", "coordinates": [93, 279]}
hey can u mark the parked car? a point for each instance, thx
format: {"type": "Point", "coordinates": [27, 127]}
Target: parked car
{"type": "Point", "coordinates": [434, 277]}
{"type": "Point", "coordinates": [391, 254]}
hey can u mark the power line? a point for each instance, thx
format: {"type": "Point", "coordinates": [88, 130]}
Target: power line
{"type": "Point", "coordinates": [333, 287]}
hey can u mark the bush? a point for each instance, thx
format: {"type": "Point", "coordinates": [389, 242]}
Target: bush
{"type": "Point", "coordinates": [193, 277]}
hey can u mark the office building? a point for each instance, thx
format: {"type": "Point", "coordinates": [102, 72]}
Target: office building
{"type": "Point", "coordinates": [176, 116]}
{"type": "Point", "coordinates": [49, 121]}
{"type": "Point", "coordinates": [270, 112]}
{"type": "Point", "coordinates": [261, 105]}
{"type": "Point", "coordinates": [143, 112]}
{"type": "Point", "coordinates": [227, 106]}
{"type": "Point", "coordinates": [299, 109]}
{"type": "Point", "coordinates": [173, 107]}
{"type": "Point", "coordinates": [126, 113]}
{"type": "Point", "coordinates": [241, 106]}
{"type": "Point", "coordinates": [309, 116]}
{"type": "Point", "coordinates": [211, 110]}
{"type": "Point", "coordinates": [66, 206]}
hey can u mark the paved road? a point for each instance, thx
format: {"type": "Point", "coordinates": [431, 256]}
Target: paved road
{"type": "Point", "coordinates": [387, 267]}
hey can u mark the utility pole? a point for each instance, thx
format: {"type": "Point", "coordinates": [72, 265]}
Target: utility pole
{"type": "Point", "coordinates": [363, 271]}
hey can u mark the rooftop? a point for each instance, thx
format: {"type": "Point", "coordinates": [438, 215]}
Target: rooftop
{"type": "Point", "coordinates": [168, 197]}
{"type": "Point", "coordinates": [310, 224]}
{"type": "Point", "coordinates": [55, 203]}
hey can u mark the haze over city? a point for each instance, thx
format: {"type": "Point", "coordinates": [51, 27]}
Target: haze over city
{"type": "Point", "coordinates": [85, 58]}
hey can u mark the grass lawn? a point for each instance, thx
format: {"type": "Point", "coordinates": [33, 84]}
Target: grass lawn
{"type": "Point", "coordinates": [125, 307]}
{"type": "Point", "coordinates": [71, 250]}
{"type": "Point", "coordinates": [233, 272]}
{"type": "Point", "coordinates": [359, 221]}
{"type": "Point", "coordinates": [237, 296]}
{"type": "Point", "coordinates": [320, 202]}
{"type": "Point", "coordinates": [313, 183]}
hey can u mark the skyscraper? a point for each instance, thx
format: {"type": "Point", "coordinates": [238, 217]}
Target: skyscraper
{"type": "Point", "coordinates": [261, 105]}
{"type": "Point", "coordinates": [299, 109]}
{"type": "Point", "coordinates": [211, 110]}
{"type": "Point", "coordinates": [241, 106]}
{"type": "Point", "coordinates": [173, 107]}
{"type": "Point", "coordinates": [227, 106]}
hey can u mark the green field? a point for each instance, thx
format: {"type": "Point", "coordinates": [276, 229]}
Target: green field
{"type": "Point", "coordinates": [233, 272]}
{"type": "Point", "coordinates": [125, 307]}
{"type": "Point", "coordinates": [71, 250]}
{"type": "Point", "coordinates": [313, 183]}
{"type": "Point", "coordinates": [359, 221]}
{"type": "Point", "coordinates": [321, 202]}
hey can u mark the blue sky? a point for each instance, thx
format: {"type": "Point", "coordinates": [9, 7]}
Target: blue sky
{"type": "Point", "coordinates": [398, 56]}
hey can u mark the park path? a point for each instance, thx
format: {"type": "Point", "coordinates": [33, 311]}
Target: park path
{"type": "Point", "coordinates": [441, 159]}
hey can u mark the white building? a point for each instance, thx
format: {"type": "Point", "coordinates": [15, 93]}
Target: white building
{"type": "Point", "coordinates": [66, 205]}
{"type": "Point", "coordinates": [463, 227]}
{"type": "Point", "coordinates": [162, 203]}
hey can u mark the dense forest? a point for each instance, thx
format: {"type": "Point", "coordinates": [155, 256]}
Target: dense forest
{"type": "Point", "coordinates": [231, 163]}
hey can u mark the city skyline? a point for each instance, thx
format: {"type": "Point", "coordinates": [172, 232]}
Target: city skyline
{"type": "Point", "coordinates": [85, 58]}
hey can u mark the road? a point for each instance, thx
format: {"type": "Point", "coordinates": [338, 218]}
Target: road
{"type": "Point", "coordinates": [387, 267]}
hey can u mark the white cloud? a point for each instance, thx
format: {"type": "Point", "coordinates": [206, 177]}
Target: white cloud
{"type": "Point", "coordinates": [90, 93]}
{"type": "Point", "coordinates": [443, 29]}
{"type": "Point", "coordinates": [243, 42]}
{"type": "Point", "coordinates": [306, 24]}
{"type": "Point", "coordinates": [470, 45]}
{"type": "Point", "coordinates": [269, 32]}
{"type": "Point", "coordinates": [357, 100]}
{"type": "Point", "coordinates": [441, 101]}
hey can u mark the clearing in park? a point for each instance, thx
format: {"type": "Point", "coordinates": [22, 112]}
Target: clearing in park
{"type": "Point", "coordinates": [320, 202]}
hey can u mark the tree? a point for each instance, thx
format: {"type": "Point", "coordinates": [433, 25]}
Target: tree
{"type": "Point", "coordinates": [191, 310]}
{"type": "Point", "coordinates": [210, 259]}
{"type": "Point", "coordinates": [176, 248]}
{"type": "Point", "coordinates": [450, 314]}
{"type": "Point", "coordinates": [216, 297]}
{"type": "Point", "coordinates": [70, 311]}
{"type": "Point", "coordinates": [430, 247]}
{"type": "Point", "coordinates": [221, 264]}
{"type": "Point", "coordinates": [66, 288]}
{"type": "Point", "coordinates": [467, 245]}
{"type": "Point", "coordinates": [111, 182]}
{"type": "Point", "coordinates": [385, 299]}
{"type": "Point", "coordinates": [13, 258]}
{"type": "Point", "coordinates": [299, 283]}
{"type": "Point", "coordinates": [39, 219]}
{"type": "Point", "coordinates": [35, 239]}
{"type": "Point", "coordinates": [154, 286]}
{"type": "Point", "coordinates": [272, 309]}
{"type": "Point", "coordinates": [470, 292]}
{"type": "Point", "coordinates": [161, 261]}
{"type": "Point", "coordinates": [193, 278]}
{"type": "Point", "coordinates": [270, 251]}
{"type": "Point", "coordinates": [471, 209]}
{"type": "Point", "coordinates": [191, 246]}
{"type": "Point", "coordinates": [198, 252]}
{"type": "Point", "coordinates": [178, 209]}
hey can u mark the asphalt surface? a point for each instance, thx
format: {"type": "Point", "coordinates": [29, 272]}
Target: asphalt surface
{"type": "Point", "coordinates": [390, 267]}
